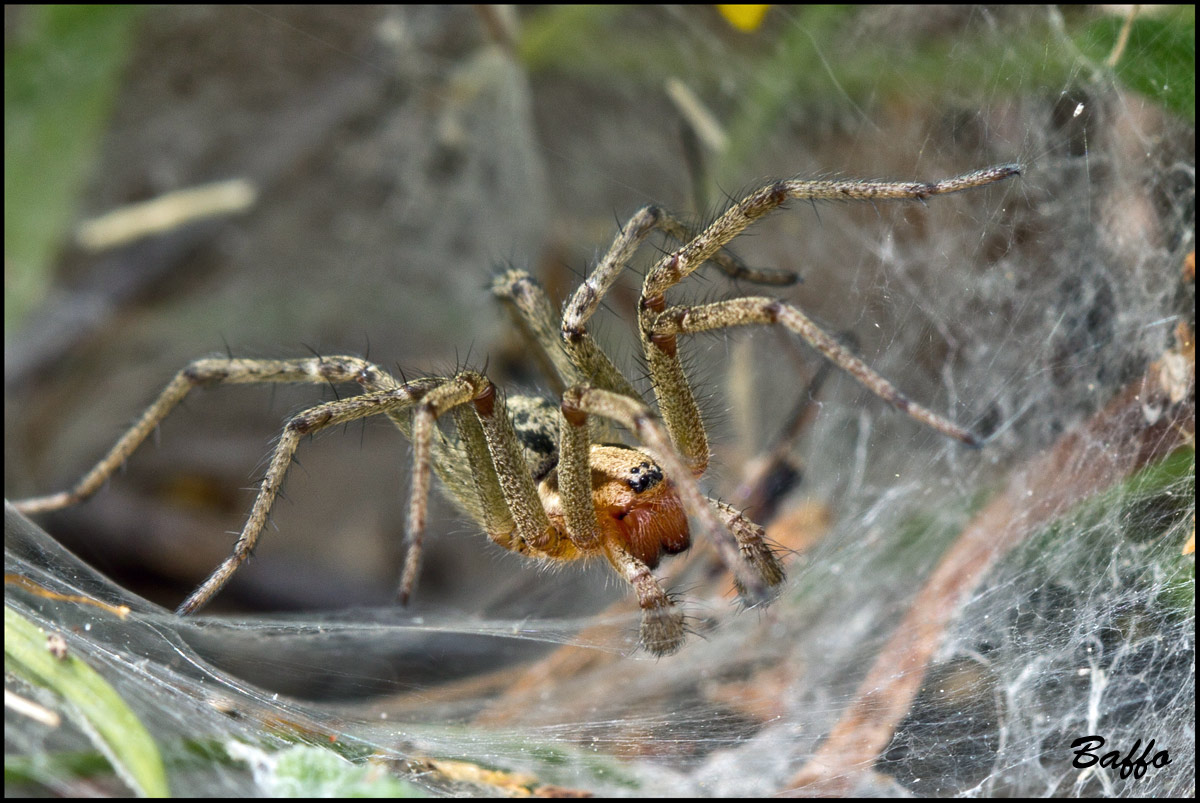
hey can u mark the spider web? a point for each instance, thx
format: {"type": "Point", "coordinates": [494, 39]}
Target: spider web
{"type": "Point", "coordinates": [953, 620]}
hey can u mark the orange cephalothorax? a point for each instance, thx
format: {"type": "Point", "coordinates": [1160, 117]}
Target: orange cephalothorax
{"type": "Point", "coordinates": [635, 504]}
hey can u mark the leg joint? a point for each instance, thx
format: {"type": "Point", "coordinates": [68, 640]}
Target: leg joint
{"type": "Point", "coordinates": [309, 421]}
{"type": "Point", "coordinates": [648, 219]}
{"type": "Point", "coordinates": [485, 400]}
{"type": "Point", "coordinates": [572, 412]}
{"type": "Point", "coordinates": [665, 343]}
{"type": "Point", "coordinates": [200, 372]}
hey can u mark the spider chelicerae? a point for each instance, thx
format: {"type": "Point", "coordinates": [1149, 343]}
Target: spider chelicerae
{"type": "Point", "coordinates": [543, 479]}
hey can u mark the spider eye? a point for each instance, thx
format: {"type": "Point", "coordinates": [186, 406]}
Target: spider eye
{"type": "Point", "coordinates": [644, 476]}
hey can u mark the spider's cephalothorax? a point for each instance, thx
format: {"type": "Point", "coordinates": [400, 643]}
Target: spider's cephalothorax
{"type": "Point", "coordinates": [543, 479]}
{"type": "Point", "coordinates": [635, 505]}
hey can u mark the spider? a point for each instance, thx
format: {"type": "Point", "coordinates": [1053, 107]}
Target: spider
{"type": "Point", "coordinates": [544, 479]}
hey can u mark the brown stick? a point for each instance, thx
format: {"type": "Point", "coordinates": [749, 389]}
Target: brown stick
{"type": "Point", "coordinates": [1115, 442]}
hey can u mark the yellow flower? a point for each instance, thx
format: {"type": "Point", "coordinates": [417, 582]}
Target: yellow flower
{"type": "Point", "coordinates": [743, 17]}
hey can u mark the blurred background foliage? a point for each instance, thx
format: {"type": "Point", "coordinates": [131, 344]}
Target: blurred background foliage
{"type": "Point", "coordinates": [63, 69]}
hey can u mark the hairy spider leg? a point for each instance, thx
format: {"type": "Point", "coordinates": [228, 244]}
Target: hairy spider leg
{"type": "Point", "coordinates": [671, 386]}
{"type": "Point", "coordinates": [309, 422]}
{"type": "Point", "coordinates": [205, 372]}
{"type": "Point", "coordinates": [571, 349]}
{"type": "Point", "coordinates": [384, 396]}
{"type": "Point", "coordinates": [685, 320]}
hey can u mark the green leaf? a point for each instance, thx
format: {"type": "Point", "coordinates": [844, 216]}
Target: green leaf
{"type": "Point", "coordinates": [90, 702]}
{"type": "Point", "coordinates": [62, 67]}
